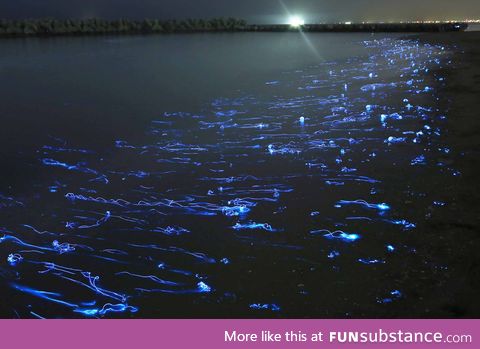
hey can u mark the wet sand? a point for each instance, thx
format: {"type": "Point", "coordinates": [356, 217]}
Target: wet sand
{"type": "Point", "coordinates": [456, 235]}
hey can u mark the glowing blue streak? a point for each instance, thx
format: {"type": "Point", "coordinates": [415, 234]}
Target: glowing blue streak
{"type": "Point", "coordinates": [381, 206]}
{"type": "Point", "coordinates": [98, 223]}
{"type": "Point", "coordinates": [150, 277]}
{"type": "Point", "coordinates": [20, 242]}
{"type": "Point", "coordinates": [260, 306]}
{"type": "Point", "coordinates": [43, 294]}
{"type": "Point", "coordinates": [337, 235]}
{"type": "Point", "coordinates": [370, 261]}
{"type": "Point", "coordinates": [109, 307]}
{"type": "Point", "coordinates": [14, 258]}
{"type": "Point", "coordinates": [253, 225]}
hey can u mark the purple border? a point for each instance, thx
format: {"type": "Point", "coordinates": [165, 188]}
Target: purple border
{"type": "Point", "coordinates": [135, 334]}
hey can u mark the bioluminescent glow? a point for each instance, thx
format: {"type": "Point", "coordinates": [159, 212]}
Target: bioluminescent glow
{"type": "Point", "coordinates": [50, 296]}
{"type": "Point", "coordinates": [99, 222]}
{"type": "Point", "coordinates": [404, 223]}
{"type": "Point", "coordinates": [62, 247]}
{"type": "Point", "coordinates": [381, 207]}
{"type": "Point", "coordinates": [368, 261]}
{"type": "Point", "coordinates": [6, 201]}
{"type": "Point", "coordinates": [116, 308]}
{"type": "Point", "coordinates": [337, 235]}
{"type": "Point", "coordinates": [262, 306]}
{"type": "Point", "coordinates": [394, 295]}
{"type": "Point", "coordinates": [253, 225]}
{"type": "Point", "coordinates": [14, 258]}
{"type": "Point", "coordinates": [275, 186]}
{"type": "Point", "coordinates": [333, 254]}
{"type": "Point", "coordinates": [203, 287]}
{"type": "Point", "coordinates": [171, 230]}
{"type": "Point", "coordinates": [235, 210]}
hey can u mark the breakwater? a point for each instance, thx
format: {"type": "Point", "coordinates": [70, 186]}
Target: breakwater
{"type": "Point", "coordinates": [54, 27]}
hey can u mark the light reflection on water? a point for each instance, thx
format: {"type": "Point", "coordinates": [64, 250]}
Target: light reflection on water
{"type": "Point", "coordinates": [299, 199]}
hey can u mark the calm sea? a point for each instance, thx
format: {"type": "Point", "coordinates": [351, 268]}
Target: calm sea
{"type": "Point", "coordinates": [223, 175]}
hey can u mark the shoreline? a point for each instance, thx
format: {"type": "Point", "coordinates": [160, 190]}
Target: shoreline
{"type": "Point", "coordinates": [97, 27]}
{"type": "Point", "coordinates": [456, 235]}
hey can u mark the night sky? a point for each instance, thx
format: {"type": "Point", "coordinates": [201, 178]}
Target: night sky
{"type": "Point", "coordinates": [255, 11]}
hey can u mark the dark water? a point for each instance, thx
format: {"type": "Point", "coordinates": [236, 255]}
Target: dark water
{"type": "Point", "coordinates": [238, 175]}
{"type": "Point", "coordinates": [473, 27]}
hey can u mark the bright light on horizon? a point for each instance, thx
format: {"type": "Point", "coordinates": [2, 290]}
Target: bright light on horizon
{"type": "Point", "coordinates": [296, 21]}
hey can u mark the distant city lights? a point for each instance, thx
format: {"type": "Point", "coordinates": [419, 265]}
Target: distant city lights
{"type": "Point", "coordinates": [469, 21]}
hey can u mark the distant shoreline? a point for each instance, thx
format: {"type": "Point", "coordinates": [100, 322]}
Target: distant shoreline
{"type": "Point", "coordinates": [68, 27]}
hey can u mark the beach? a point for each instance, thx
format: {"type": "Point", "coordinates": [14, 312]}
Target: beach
{"type": "Point", "coordinates": [456, 232]}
